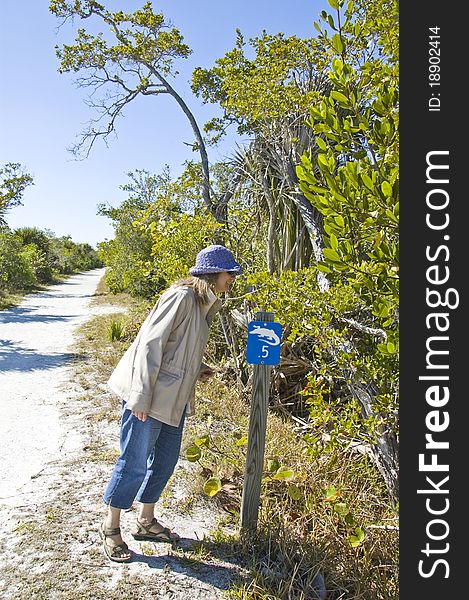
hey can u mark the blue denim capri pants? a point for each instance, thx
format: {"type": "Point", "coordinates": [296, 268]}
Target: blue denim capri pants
{"type": "Point", "coordinates": [149, 453]}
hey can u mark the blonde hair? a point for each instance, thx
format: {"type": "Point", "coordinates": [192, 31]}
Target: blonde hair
{"type": "Point", "coordinates": [201, 284]}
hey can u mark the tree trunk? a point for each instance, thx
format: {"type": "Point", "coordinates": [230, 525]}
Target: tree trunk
{"type": "Point", "coordinates": [385, 451]}
{"type": "Point", "coordinates": [219, 212]}
{"type": "Point", "coordinates": [272, 226]}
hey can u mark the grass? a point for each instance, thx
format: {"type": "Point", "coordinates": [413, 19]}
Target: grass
{"type": "Point", "coordinates": [10, 299]}
{"type": "Point", "coordinates": [116, 331]}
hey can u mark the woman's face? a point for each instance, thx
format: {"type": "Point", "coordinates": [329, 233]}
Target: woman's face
{"type": "Point", "coordinates": [224, 281]}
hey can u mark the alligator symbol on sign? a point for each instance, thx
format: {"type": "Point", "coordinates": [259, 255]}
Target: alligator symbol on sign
{"type": "Point", "coordinates": [266, 335]}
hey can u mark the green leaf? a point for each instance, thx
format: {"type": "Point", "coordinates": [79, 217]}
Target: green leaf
{"type": "Point", "coordinates": [360, 154]}
{"type": "Point", "coordinates": [386, 188]}
{"type": "Point", "coordinates": [331, 255]}
{"type": "Point", "coordinates": [193, 453]}
{"type": "Point", "coordinates": [322, 160]}
{"type": "Point", "coordinates": [337, 65]}
{"type": "Point", "coordinates": [334, 241]}
{"type": "Point", "coordinates": [381, 308]}
{"type": "Point", "coordinates": [284, 473]}
{"type": "Point", "coordinates": [339, 219]}
{"type": "Point", "coordinates": [330, 494]}
{"type": "Point", "coordinates": [356, 540]}
{"type": "Point", "coordinates": [334, 4]}
{"type": "Point", "coordinates": [323, 268]}
{"type": "Point", "coordinates": [341, 509]}
{"type": "Point", "coordinates": [340, 98]}
{"type": "Point", "coordinates": [294, 492]}
{"type": "Point", "coordinates": [337, 43]}
{"type": "Point", "coordinates": [306, 176]}
{"type": "Point", "coordinates": [202, 441]}
{"type": "Point", "coordinates": [273, 465]}
{"type": "Point", "coordinates": [242, 441]}
{"type": "Point", "coordinates": [391, 216]}
{"type": "Point", "coordinates": [212, 486]}
{"type": "Point", "coordinates": [367, 181]}
{"type": "Point", "coordinates": [321, 143]}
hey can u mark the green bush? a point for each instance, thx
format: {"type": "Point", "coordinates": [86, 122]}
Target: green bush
{"type": "Point", "coordinates": [16, 270]}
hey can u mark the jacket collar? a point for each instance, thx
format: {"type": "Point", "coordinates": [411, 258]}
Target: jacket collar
{"type": "Point", "coordinates": [214, 308]}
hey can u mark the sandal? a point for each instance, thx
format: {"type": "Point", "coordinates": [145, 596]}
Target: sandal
{"type": "Point", "coordinates": [114, 553]}
{"type": "Point", "coordinates": [143, 533]}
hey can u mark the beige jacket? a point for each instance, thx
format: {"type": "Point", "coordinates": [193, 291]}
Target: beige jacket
{"type": "Point", "coordinates": [157, 373]}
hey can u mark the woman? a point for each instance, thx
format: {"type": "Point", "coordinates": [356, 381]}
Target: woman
{"type": "Point", "coordinates": [156, 380]}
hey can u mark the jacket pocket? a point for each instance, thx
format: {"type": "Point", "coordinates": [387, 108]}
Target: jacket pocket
{"type": "Point", "coordinates": [169, 374]}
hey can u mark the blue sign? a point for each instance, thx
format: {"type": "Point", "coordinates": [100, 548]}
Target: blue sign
{"type": "Point", "coordinates": [263, 346]}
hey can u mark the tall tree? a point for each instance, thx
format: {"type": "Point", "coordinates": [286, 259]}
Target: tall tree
{"type": "Point", "coordinates": [138, 61]}
{"type": "Point", "coordinates": [280, 77]}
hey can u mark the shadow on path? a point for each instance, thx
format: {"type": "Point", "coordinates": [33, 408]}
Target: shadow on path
{"type": "Point", "coordinates": [28, 315]}
{"type": "Point", "coordinates": [52, 295]}
{"type": "Point", "coordinates": [216, 575]}
{"type": "Point", "coordinates": [14, 358]}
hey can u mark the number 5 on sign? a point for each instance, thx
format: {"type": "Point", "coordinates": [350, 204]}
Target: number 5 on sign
{"type": "Point", "coordinates": [263, 345]}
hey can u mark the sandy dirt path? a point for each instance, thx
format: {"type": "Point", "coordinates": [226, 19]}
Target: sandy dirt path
{"type": "Point", "coordinates": [35, 362]}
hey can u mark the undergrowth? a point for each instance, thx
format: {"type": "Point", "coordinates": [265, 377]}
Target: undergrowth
{"type": "Point", "coordinates": [328, 517]}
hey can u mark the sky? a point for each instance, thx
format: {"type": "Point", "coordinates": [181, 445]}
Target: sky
{"type": "Point", "coordinates": [43, 112]}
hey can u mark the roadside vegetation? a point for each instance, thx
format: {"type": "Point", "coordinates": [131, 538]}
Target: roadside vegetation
{"type": "Point", "coordinates": [31, 259]}
{"type": "Point", "coordinates": [326, 521]}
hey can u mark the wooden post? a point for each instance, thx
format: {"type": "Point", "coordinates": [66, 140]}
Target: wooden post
{"type": "Point", "coordinates": [256, 439]}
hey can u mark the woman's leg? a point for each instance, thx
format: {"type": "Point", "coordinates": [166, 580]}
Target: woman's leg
{"type": "Point", "coordinates": [116, 548]}
{"type": "Point", "coordinates": [161, 466]}
{"type": "Point", "coordinates": [137, 441]}
{"type": "Point", "coordinates": [162, 462]}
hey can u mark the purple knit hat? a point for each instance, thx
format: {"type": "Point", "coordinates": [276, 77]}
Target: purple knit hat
{"type": "Point", "coordinates": [215, 259]}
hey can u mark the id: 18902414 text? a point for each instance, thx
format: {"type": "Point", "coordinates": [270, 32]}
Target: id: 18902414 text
{"type": "Point", "coordinates": [434, 69]}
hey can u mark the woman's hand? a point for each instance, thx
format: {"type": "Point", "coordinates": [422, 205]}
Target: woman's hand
{"type": "Point", "coordinates": [206, 374]}
{"type": "Point", "coordinates": [141, 416]}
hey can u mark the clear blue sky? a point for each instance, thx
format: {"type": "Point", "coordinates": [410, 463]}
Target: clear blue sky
{"type": "Point", "coordinates": [42, 112]}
